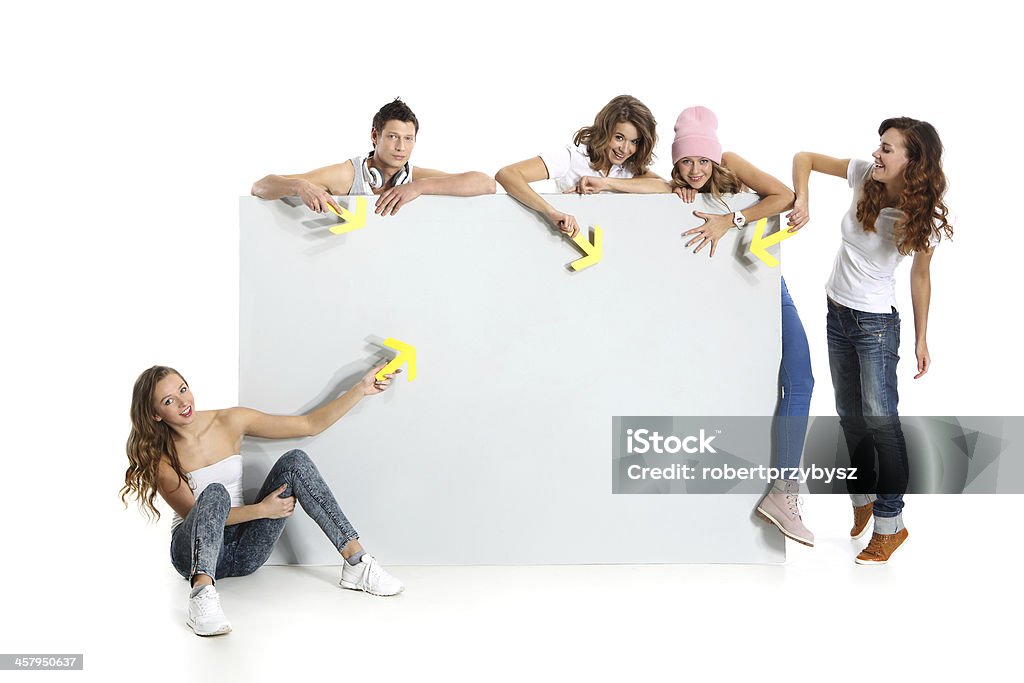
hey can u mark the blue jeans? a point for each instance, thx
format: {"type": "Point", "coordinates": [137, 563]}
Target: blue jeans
{"type": "Point", "coordinates": [202, 544]}
{"type": "Point", "coordinates": [795, 385]}
{"type": "Point", "coordinates": [863, 350]}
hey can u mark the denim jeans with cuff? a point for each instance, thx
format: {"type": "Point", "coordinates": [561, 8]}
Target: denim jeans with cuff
{"type": "Point", "coordinates": [202, 544]}
{"type": "Point", "coordinates": [863, 350]}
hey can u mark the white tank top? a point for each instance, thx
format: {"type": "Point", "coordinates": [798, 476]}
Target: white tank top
{"type": "Point", "coordinates": [227, 472]}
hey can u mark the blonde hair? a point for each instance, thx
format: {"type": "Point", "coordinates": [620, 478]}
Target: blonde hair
{"type": "Point", "coordinates": [722, 181]}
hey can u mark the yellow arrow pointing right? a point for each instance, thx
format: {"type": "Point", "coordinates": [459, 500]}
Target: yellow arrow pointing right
{"type": "Point", "coordinates": [353, 221]}
{"type": "Point", "coordinates": [759, 245]}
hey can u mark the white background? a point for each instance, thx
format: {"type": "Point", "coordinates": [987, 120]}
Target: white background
{"type": "Point", "coordinates": [129, 130]}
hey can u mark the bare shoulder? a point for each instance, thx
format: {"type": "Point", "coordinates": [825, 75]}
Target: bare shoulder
{"type": "Point", "coordinates": [730, 158]}
{"type": "Point", "coordinates": [232, 422]}
{"type": "Point", "coordinates": [336, 178]}
{"type": "Point", "coordinates": [167, 480]}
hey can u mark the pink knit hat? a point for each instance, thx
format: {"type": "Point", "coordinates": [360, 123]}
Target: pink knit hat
{"type": "Point", "coordinates": [697, 135]}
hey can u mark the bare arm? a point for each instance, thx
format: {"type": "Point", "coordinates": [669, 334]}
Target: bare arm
{"type": "Point", "coordinates": [648, 183]}
{"type": "Point", "coordinates": [775, 198]}
{"type": "Point", "coordinates": [803, 164]}
{"type": "Point", "coordinates": [920, 295]}
{"type": "Point", "coordinates": [469, 184]}
{"type": "Point", "coordinates": [429, 181]}
{"type": "Point", "coordinates": [314, 188]}
{"type": "Point", "coordinates": [516, 179]}
{"type": "Point", "coordinates": [178, 495]}
{"type": "Point", "coordinates": [246, 421]}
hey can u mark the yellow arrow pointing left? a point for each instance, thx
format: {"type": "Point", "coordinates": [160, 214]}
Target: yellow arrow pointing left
{"type": "Point", "coordinates": [593, 250]}
{"type": "Point", "coordinates": [759, 245]}
{"type": "Point", "coordinates": [406, 354]}
{"type": "Point", "coordinates": [353, 221]}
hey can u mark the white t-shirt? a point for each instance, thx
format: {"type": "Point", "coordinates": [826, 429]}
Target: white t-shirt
{"type": "Point", "coordinates": [570, 163]}
{"type": "Point", "coordinates": [863, 275]}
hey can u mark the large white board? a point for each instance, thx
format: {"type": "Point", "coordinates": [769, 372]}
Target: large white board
{"type": "Point", "coordinates": [500, 451]}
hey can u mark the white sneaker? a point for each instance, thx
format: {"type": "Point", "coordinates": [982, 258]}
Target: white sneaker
{"type": "Point", "coordinates": [369, 576]}
{"type": "Point", "coordinates": [205, 616]}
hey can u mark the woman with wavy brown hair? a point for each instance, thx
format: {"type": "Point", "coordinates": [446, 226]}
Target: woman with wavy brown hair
{"type": "Point", "coordinates": [897, 210]}
{"type": "Point", "coordinates": [192, 460]}
{"type": "Point", "coordinates": [612, 155]}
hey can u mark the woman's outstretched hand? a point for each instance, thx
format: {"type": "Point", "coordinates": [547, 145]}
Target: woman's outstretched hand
{"type": "Point", "coordinates": [371, 385]}
{"type": "Point", "coordinates": [714, 228]}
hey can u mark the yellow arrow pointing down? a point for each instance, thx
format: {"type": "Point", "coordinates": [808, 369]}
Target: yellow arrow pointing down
{"type": "Point", "coordinates": [406, 354]}
{"type": "Point", "coordinates": [759, 245]}
{"type": "Point", "coordinates": [353, 221]}
{"type": "Point", "coordinates": [593, 250]}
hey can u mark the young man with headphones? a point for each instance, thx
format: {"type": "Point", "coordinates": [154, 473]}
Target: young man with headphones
{"type": "Point", "coordinates": [385, 171]}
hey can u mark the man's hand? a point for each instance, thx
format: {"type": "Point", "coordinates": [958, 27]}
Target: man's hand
{"type": "Point", "coordinates": [392, 199]}
{"type": "Point", "coordinates": [315, 197]}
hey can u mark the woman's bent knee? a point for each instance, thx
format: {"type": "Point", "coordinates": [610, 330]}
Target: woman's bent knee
{"type": "Point", "coordinates": [294, 457]}
{"type": "Point", "coordinates": [215, 493]}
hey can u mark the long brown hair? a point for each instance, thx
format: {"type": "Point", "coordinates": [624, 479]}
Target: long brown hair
{"type": "Point", "coordinates": [149, 442]}
{"type": "Point", "coordinates": [622, 109]}
{"type": "Point", "coordinates": [924, 184]}
{"type": "Point", "coordinates": [722, 181]}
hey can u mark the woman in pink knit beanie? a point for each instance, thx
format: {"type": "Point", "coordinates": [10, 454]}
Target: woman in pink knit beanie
{"type": "Point", "coordinates": [700, 166]}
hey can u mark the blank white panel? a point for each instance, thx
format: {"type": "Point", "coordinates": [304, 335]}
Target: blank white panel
{"type": "Point", "coordinates": [500, 451]}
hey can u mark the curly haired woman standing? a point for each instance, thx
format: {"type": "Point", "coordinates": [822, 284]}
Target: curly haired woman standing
{"type": "Point", "coordinates": [897, 210]}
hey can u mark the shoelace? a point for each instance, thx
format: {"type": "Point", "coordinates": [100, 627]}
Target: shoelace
{"type": "Point", "coordinates": [208, 603]}
{"type": "Point", "coordinates": [795, 503]}
{"type": "Point", "coordinates": [874, 546]}
{"type": "Point", "coordinates": [372, 577]}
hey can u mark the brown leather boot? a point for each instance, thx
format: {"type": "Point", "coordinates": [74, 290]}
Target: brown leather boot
{"type": "Point", "coordinates": [861, 517]}
{"type": "Point", "coordinates": [881, 547]}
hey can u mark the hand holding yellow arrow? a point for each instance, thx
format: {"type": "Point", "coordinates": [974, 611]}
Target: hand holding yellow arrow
{"type": "Point", "coordinates": [353, 221]}
{"type": "Point", "coordinates": [593, 250]}
{"type": "Point", "coordinates": [406, 354]}
{"type": "Point", "coordinates": [759, 245]}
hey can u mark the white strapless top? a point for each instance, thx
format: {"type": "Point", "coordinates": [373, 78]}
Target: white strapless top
{"type": "Point", "coordinates": [227, 472]}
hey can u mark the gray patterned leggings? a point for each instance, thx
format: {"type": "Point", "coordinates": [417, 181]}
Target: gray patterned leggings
{"type": "Point", "coordinates": [202, 544]}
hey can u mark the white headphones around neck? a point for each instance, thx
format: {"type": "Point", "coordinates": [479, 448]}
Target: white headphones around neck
{"type": "Point", "coordinates": [374, 179]}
